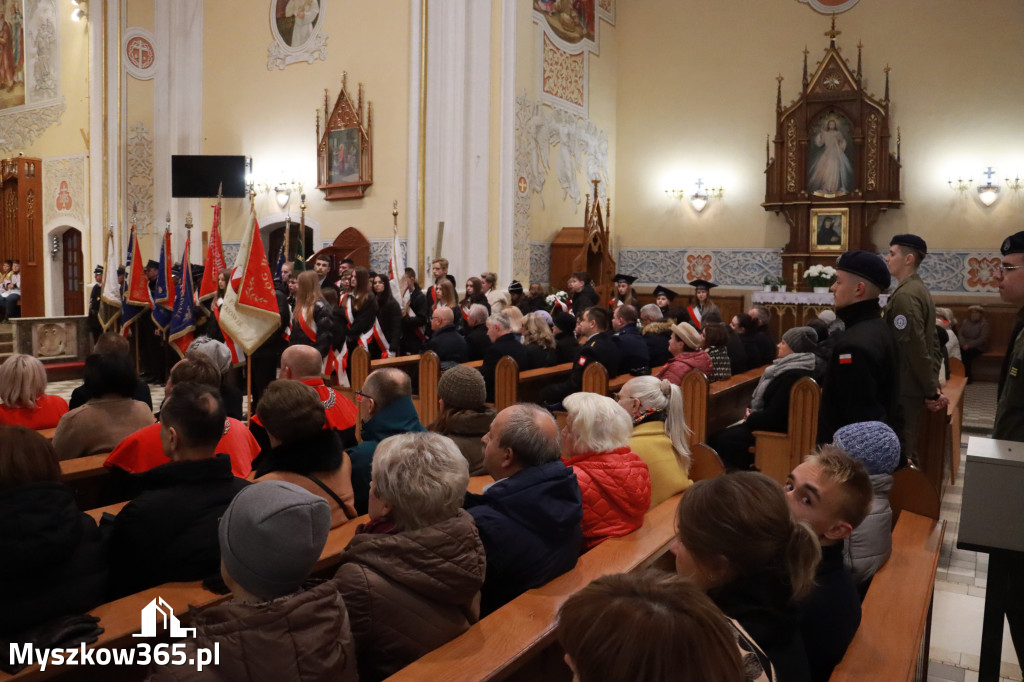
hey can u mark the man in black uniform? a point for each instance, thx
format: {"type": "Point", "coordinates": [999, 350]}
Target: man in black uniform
{"type": "Point", "coordinates": [503, 342]}
{"type": "Point", "coordinates": [600, 347]}
{"type": "Point", "coordinates": [582, 293]}
{"type": "Point", "coordinates": [635, 358]}
{"type": "Point", "coordinates": [862, 383]}
{"type": "Point", "coordinates": [95, 327]}
{"type": "Point", "coordinates": [415, 314]}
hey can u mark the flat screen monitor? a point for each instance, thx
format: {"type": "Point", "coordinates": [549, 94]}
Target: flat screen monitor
{"type": "Point", "coordinates": [199, 176]}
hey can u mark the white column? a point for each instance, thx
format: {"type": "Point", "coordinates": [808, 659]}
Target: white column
{"type": "Point", "coordinates": [457, 144]}
{"type": "Point", "coordinates": [412, 197]}
{"type": "Point", "coordinates": [177, 108]}
{"type": "Point", "coordinates": [507, 159]}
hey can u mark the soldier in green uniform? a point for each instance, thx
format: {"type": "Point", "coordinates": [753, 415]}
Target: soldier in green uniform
{"type": "Point", "coordinates": [1010, 416]}
{"type": "Point", "coordinates": [1010, 409]}
{"type": "Point", "coordinates": [910, 314]}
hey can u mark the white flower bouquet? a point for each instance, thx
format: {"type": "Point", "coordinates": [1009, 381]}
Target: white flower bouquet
{"type": "Point", "coordinates": [820, 275]}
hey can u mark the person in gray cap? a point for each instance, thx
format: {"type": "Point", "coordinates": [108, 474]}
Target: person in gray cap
{"type": "Point", "coordinates": [276, 625]}
{"type": "Point", "coordinates": [1009, 424]}
{"type": "Point", "coordinates": [910, 313]}
{"type": "Point", "coordinates": [862, 381]}
{"type": "Point", "coordinates": [769, 406]}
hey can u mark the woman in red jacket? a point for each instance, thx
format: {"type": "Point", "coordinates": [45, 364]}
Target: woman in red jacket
{"type": "Point", "coordinates": [614, 481]}
{"type": "Point", "coordinates": [22, 386]}
{"type": "Point", "coordinates": [687, 353]}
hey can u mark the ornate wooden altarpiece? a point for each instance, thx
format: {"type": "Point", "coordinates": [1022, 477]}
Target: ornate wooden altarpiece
{"type": "Point", "coordinates": [595, 256]}
{"type": "Point", "coordinates": [345, 146]}
{"type": "Point", "coordinates": [832, 175]}
{"type": "Point", "coordinates": [21, 227]}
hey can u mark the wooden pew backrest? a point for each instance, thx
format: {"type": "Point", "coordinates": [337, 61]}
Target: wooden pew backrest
{"type": "Point", "coordinates": [506, 383]}
{"type": "Point", "coordinates": [776, 454]}
{"type": "Point", "coordinates": [704, 462]}
{"type": "Point", "coordinates": [359, 360]}
{"type": "Point", "coordinates": [911, 491]}
{"type": "Point", "coordinates": [595, 379]}
{"type": "Point", "coordinates": [696, 390]}
{"type": "Point", "coordinates": [430, 373]}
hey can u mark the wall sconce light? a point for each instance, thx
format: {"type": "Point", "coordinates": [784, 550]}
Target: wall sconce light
{"type": "Point", "coordinates": [675, 192]}
{"type": "Point", "coordinates": [1014, 185]}
{"type": "Point", "coordinates": [988, 193]}
{"type": "Point", "coordinates": [961, 185]}
{"type": "Point", "coordinates": [700, 197]}
{"type": "Point", "coordinates": [79, 13]}
{"type": "Point", "coordinates": [54, 247]}
{"type": "Point", "coordinates": [282, 193]}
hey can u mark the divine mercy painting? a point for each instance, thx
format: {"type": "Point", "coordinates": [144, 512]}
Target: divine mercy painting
{"type": "Point", "coordinates": [12, 54]}
{"type": "Point", "coordinates": [830, 153]}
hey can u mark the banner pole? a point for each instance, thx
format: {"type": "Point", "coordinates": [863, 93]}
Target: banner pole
{"type": "Point", "coordinates": [248, 388]}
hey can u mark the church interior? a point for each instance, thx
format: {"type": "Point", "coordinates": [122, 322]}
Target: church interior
{"type": "Point", "coordinates": [734, 141]}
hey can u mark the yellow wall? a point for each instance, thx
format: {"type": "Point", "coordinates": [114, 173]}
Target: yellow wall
{"type": "Point", "coordinates": [270, 115]}
{"type": "Point", "coordinates": [69, 135]}
{"type": "Point", "coordinates": [698, 97]}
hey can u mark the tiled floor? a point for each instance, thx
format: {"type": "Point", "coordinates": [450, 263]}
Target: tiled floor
{"type": "Point", "coordinates": [64, 389]}
{"type": "Point", "coordinates": [961, 578]}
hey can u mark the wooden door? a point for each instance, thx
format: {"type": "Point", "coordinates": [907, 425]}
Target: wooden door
{"type": "Point", "coordinates": [276, 239]}
{"type": "Point", "coordinates": [74, 302]}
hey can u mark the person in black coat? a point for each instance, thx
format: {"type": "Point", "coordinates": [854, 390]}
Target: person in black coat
{"type": "Point", "coordinates": [475, 331]}
{"type": "Point", "coordinates": [529, 520]}
{"type": "Point", "coordinates": [600, 347]}
{"type": "Point", "coordinates": [769, 408]}
{"type": "Point", "coordinates": [55, 561]}
{"type": "Point", "coordinates": [862, 381]}
{"type": "Point", "coordinates": [93, 323]}
{"type": "Point", "coordinates": [635, 357]}
{"type": "Point", "coordinates": [415, 315]}
{"type": "Point", "coordinates": [503, 342]}
{"type": "Point", "coordinates": [168, 533]}
{"type": "Point", "coordinates": [312, 321]}
{"type": "Point", "coordinates": [567, 349]}
{"type": "Point", "coordinates": [582, 293]}
{"type": "Point", "coordinates": [446, 340]}
{"type": "Point", "coordinates": [389, 316]}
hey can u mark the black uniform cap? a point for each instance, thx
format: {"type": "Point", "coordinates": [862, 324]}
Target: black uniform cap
{"type": "Point", "coordinates": [98, 270]}
{"type": "Point", "coordinates": [1013, 244]}
{"type": "Point", "coordinates": [152, 264]}
{"type": "Point", "coordinates": [868, 265]}
{"type": "Point", "coordinates": [910, 241]}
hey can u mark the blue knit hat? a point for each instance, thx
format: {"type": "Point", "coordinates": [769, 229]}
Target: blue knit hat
{"type": "Point", "coordinates": [873, 443]}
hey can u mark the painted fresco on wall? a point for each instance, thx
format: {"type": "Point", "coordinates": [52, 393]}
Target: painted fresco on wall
{"type": "Point", "coordinates": [12, 54]}
{"type": "Point", "coordinates": [830, 154]}
{"type": "Point", "coordinates": [571, 20]}
{"type": "Point", "coordinates": [296, 20]}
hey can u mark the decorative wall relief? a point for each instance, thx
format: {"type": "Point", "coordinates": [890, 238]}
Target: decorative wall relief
{"type": "Point", "coordinates": [297, 29]}
{"type": "Point", "coordinates": [564, 77]}
{"type": "Point", "coordinates": [728, 267]}
{"type": "Point", "coordinates": [830, 6]}
{"type": "Point", "coordinates": [64, 188]}
{"type": "Point", "coordinates": [567, 31]}
{"type": "Point", "coordinates": [540, 266]}
{"type": "Point", "coordinates": [30, 100]}
{"type": "Point", "coordinates": [139, 53]}
{"type": "Point", "coordinates": [140, 176]}
{"type": "Point", "coordinates": [380, 255]}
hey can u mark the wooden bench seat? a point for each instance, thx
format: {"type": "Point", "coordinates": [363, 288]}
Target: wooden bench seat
{"type": "Point", "coordinates": [777, 454]}
{"type": "Point", "coordinates": [712, 406]}
{"type": "Point", "coordinates": [892, 640]}
{"type": "Point", "coordinates": [517, 640]}
{"type": "Point", "coordinates": [89, 479]}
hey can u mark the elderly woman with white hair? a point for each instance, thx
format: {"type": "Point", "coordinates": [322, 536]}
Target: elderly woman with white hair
{"type": "Point", "coordinates": [659, 433]}
{"type": "Point", "coordinates": [686, 346]}
{"type": "Point", "coordinates": [411, 577]}
{"type": "Point", "coordinates": [614, 481]}
{"type": "Point", "coordinates": [23, 392]}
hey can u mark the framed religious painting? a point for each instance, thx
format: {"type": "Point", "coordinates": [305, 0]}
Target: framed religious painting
{"type": "Point", "coordinates": [830, 230]}
{"type": "Point", "coordinates": [345, 146]}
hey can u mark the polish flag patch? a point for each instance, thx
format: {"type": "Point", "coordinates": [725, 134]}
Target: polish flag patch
{"type": "Point", "coordinates": [582, 361]}
{"type": "Point", "coordinates": [845, 359]}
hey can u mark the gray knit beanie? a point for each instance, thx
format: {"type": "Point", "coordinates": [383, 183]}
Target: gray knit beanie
{"type": "Point", "coordinates": [462, 388]}
{"type": "Point", "coordinates": [801, 339]}
{"type": "Point", "coordinates": [272, 535]}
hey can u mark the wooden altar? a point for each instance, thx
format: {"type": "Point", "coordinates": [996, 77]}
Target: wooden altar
{"type": "Point", "coordinates": [832, 175]}
{"type": "Point", "coordinates": [21, 228]}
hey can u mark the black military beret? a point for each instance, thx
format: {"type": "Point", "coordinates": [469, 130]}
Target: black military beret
{"type": "Point", "coordinates": [1013, 244]}
{"type": "Point", "coordinates": [911, 241]}
{"type": "Point", "coordinates": [152, 265]}
{"type": "Point", "coordinates": [868, 265]}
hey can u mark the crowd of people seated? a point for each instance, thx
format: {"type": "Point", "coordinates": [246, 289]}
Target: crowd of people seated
{"type": "Point", "coordinates": [768, 578]}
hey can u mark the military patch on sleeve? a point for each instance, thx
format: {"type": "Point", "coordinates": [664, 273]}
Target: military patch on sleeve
{"type": "Point", "coordinates": [845, 358]}
{"type": "Point", "coordinates": [1013, 371]}
{"type": "Point", "coordinates": [582, 361]}
{"type": "Point", "coordinates": [900, 322]}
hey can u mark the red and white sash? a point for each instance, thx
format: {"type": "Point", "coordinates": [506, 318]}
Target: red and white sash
{"type": "Point", "coordinates": [237, 354]}
{"type": "Point", "coordinates": [694, 315]}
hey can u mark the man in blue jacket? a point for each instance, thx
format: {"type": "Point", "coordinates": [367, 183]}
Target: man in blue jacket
{"type": "Point", "coordinates": [635, 355]}
{"type": "Point", "coordinates": [387, 410]}
{"type": "Point", "coordinates": [529, 519]}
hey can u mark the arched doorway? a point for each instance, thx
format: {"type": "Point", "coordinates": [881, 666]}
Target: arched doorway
{"type": "Point", "coordinates": [275, 240]}
{"type": "Point", "coordinates": [72, 271]}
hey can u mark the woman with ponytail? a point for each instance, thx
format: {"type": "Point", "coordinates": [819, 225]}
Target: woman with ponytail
{"type": "Point", "coordinates": [659, 433]}
{"type": "Point", "coordinates": [738, 541]}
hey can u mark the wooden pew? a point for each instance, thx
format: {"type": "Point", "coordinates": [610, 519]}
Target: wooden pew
{"type": "Point", "coordinates": [937, 445]}
{"type": "Point", "coordinates": [710, 407]}
{"type": "Point", "coordinates": [776, 454]}
{"type": "Point", "coordinates": [704, 463]}
{"type": "Point", "coordinates": [506, 383]}
{"type": "Point", "coordinates": [429, 373]}
{"type": "Point", "coordinates": [517, 641]}
{"type": "Point", "coordinates": [47, 433]}
{"type": "Point", "coordinates": [892, 641]}
{"type": "Point", "coordinates": [359, 361]}
{"type": "Point", "coordinates": [89, 480]}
